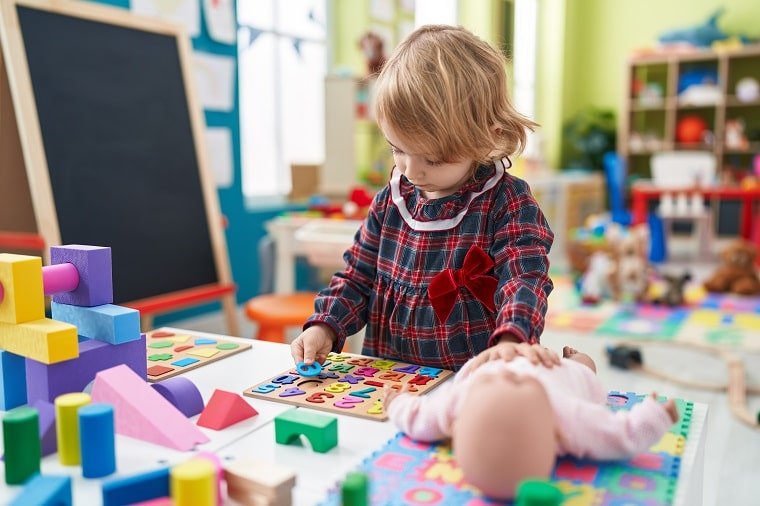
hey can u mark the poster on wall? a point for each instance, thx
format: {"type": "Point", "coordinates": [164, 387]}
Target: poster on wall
{"type": "Point", "coordinates": [186, 13]}
{"type": "Point", "coordinates": [220, 20]}
{"type": "Point", "coordinates": [215, 80]}
{"type": "Point", "coordinates": [219, 149]}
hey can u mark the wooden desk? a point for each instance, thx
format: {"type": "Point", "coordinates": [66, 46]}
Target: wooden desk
{"type": "Point", "coordinates": [642, 193]}
{"type": "Point", "coordinates": [357, 437]}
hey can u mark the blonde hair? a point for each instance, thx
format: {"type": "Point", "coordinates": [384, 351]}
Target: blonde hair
{"type": "Point", "coordinates": [445, 91]}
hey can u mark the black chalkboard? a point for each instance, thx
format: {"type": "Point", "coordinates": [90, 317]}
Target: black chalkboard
{"type": "Point", "coordinates": [117, 135]}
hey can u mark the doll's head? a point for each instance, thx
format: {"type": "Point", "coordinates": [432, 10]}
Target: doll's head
{"type": "Point", "coordinates": [445, 90]}
{"type": "Point", "coordinates": [505, 433]}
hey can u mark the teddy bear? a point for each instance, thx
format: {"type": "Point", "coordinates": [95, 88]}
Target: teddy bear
{"type": "Point", "coordinates": [736, 274]}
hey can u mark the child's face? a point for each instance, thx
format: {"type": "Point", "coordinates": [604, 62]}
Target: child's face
{"type": "Point", "coordinates": [434, 178]}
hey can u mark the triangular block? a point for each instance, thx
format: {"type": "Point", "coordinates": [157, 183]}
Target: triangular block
{"type": "Point", "coordinates": [225, 409]}
{"type": "Point", "coordinates": [142, 413]}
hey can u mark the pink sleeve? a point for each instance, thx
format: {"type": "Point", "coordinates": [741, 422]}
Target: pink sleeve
{"type": "Point", "coordinates": [423, 418]}
{"type": "Point", "coordinates": [599, 433]}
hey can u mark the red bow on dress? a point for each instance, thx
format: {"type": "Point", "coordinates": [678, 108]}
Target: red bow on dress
{"type": "Point", "coordinates": [444, 287]}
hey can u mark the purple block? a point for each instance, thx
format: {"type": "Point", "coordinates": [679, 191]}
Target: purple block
{"type": "Point", "coordinates": [48, 439]}
{"type": "Point", "coordinates": [182, 394]}
{"type": "Point", "coordinates": [94, 266]}
{"type": "Point", "coordinates": [46, 382]}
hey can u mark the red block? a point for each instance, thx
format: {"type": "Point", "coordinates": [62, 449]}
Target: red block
{"type": "Point", "coordinates": [225, 409]}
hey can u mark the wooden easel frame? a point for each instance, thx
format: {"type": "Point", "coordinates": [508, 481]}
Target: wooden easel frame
{"type": "Point", "coordinates": [30, 135]}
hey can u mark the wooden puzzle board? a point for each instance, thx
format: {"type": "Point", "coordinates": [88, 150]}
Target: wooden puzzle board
{"type": "Point", "coordinates": [349, 384]}
{"type": "Point", "coordinates": [171, 353]}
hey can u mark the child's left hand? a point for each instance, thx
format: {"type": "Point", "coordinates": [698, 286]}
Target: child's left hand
{"type": "Point", "coordinates": [508, 351]}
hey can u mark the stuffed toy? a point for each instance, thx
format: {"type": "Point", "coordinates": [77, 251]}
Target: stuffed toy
{"type": "Point", "coordinates": [736, 274]}
{"type": "Point", "coordinates": [629, 279]}
{"type": "Point", "coordinates": [673, 296]}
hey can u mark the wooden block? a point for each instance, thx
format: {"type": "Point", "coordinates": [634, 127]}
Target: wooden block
{"type": "Point", "coordinates": [95, 279]}
{"type": "Point", "coordinates": [136, 488]}
{"type": "Point", "coordinates": [45, 340]}
{"type": "Point", "coordinates": [12, 380]}
{"type": "Point", "coordinates": [21, 441]}
{"type": "Point", "coordinates": [320, 430]}
{"type": "Point", "coordinates": [67, 426]}
{"type": "Point", "coordinates": [108, 323]}
{"type": "Point", "coordinates": [193, 483]}
{"type": "Point", "coordinates": [142, 413]}
{"type": "Point", "coordinates": [355, 490]}
{"type": "Point", "coordinates": [23, 295]}
{"type": "Point", "coordinates": [225, 409]}
{"type": "Point", "coordinates": [251, 480]}
{"type": "Point", "coordinates": [45, 490]}
{"type": "Point", "coordinates": [48, 381]}
{"type": "Point", "coordinates": [96, 440]}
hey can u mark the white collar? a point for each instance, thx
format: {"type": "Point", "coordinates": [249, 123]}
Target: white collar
{"type": "Point", "coordinates": [436, 225]}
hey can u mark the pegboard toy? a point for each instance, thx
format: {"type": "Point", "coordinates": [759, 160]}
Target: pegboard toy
{"type": "Point", "coordinates": [170, 353]}
{"type": "Point", "coordinates": [349, 384]}
{"type": "Point", "coordinates": [405, 472]}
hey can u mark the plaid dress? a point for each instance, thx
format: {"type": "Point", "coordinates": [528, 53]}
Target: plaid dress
{"type": "Point", "coordinates": [407, 239]}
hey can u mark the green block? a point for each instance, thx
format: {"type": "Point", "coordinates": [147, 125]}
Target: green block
{"type": "Point", "coordinates": [537, 493]}
{"type": "Point", "coordinates": [21, 437]}
{"type": "Point", "coordinates": [320, 430]}
{"type": "Point", "coordinates": [355, 490]}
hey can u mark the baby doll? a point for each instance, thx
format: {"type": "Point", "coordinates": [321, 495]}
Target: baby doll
{"type": "Point", "coordinates": [509, 420]}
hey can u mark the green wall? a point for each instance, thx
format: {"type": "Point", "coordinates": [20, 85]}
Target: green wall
{"type": "Point", "coordinates": [599, 35]}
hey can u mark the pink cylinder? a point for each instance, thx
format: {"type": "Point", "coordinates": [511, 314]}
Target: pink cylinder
{"type": "Point", "coordinates": [60, 278]}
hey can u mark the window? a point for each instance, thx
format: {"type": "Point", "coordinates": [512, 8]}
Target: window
{"type": "Point", "coordinates": [282, 57]}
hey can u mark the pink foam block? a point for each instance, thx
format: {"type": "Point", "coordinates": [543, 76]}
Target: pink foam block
{"type": "Point", "coordinates": [142, 413]}
{"type": "Point", "coordinates": [182, 393]}
{"type": "Point", "coordinates": [93, 264]}
{"type": "Point", "coordinates": [60, 278]}
{"type": "Point", "coordinates": [225, 409]}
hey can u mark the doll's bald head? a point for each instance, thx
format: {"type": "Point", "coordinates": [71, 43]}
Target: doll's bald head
{"type": "Point", "coordinates": [505, 433]}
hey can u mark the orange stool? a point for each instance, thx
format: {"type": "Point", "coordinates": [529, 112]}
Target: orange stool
{"type": "Point", "coordinates": [273, 312]}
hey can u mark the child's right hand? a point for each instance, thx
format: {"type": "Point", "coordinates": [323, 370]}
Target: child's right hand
{"type": "Point", "coordinates": [313, 344]}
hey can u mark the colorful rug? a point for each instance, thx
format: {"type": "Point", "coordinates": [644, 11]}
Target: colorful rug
{"type": "Point", "coordinates": [405, 472]}
{"type": "Point", "coordinates": [725, 320]}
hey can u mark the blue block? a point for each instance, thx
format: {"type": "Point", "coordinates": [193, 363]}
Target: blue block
{"type": "Point", "coordinates": [108, 323]}
{"type": "Point", "coordinates": [45, 491]}
{"type": "Point", "coordinates": [12, 380]}
{"type": "Point", "coordinates": [137, 488]}
{"type": "Point", "coordinates": [96, 440]}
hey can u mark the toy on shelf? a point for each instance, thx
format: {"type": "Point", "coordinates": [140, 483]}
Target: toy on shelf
{"type": "Point", "coordinates": [736, 274]}
{"type": "Point", "coordinates": [735, 136]}
{"type": "Point", "coordinates": [701, 36]}
{"type": "Point", "coordinates": [747, 89]}
{"type": "Point", "coordinates": [691, 129]}
{"type": "Point", "coordinates": [348, 384]}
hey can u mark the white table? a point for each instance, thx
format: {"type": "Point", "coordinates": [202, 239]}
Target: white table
{"type": "Point", "coordinates": [316, 472]}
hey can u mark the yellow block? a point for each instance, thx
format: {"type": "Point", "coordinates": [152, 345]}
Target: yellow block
{"type": "Point", "coordinates": [193, 483]}
{"type": "Point", "coordinates": [47, 341]}
{"type": "Point", "coordinates": [203, 352]}
{"type": "Point", "coordinates": [67, 426]}
{"type": "Point", "coordinates": [24, 297]}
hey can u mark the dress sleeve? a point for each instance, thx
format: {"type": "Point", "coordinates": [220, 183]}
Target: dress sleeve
{"type": "Point", "coordinates": [343, 304]}
{"type": "Point", "coordinates": [522, 240]}
{"type": "Point", "coordinates": [599, 433]}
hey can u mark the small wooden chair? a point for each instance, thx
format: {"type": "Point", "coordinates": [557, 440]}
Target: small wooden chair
{"type": "Point", "coordinates": [274, 312]}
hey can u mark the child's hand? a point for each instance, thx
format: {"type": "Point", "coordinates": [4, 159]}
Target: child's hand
{"type": "Point", "coordinates": [390, 394]}
{"type": "Point", "coordinates": [313, 344]}
{"type": "Point", "coordinates": [507, 351]}
{"type": "Point", "coordinates": [670, 408]}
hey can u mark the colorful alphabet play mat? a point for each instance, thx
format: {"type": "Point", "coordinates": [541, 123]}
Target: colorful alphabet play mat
{"type": "Point", "coordinates": [715, 319]}
{"type": "Point", "coordinates": [348, 384]}
{"type": "Point", "coordinates": [171, 353]}
{"type": "Point", "coordinates": [405, 472]}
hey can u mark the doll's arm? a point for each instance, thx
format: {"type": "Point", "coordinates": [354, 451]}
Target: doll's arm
{"type": "Point", "coordinates": [522, 240]}
{"type": "Point", "coordinates": [343, 304]}
{"type": "Point", "coordinates": [600, 433]}
{"type": "Point", "coordinates": [421, 417]}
